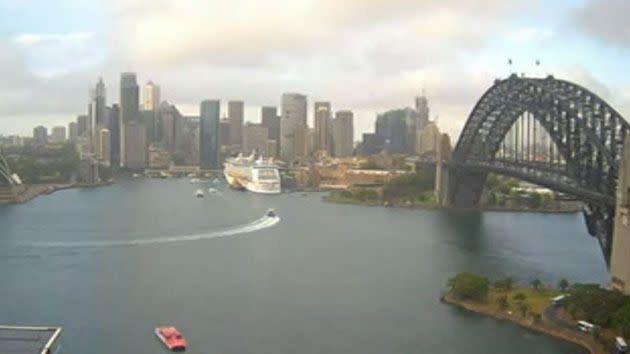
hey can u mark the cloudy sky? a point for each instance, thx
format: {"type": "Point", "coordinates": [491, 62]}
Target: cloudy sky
{"type": "Point", "coordinates": [364, 55]}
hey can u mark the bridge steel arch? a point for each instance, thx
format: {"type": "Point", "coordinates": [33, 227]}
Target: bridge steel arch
{"type": "Point", "coordinates": [5, 173]}
{"type": "Point", "coordinates": [588, 133]}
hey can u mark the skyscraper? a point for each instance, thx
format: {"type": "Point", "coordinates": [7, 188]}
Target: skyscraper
{"type": "Point", "coordinates": [73, 132]}
{"type": "Point", "coordinates": [151, 96]}
{"type": "Point", "coordinates": [209, 115]}
{"type": "Point", "coordinates": [293, 118]}
{"type": "Point", "coordinates": [343, 133]}
{"type": "Point", "coordinates": [422, 108]}
{"type": "Point", "coordinates": [105, 149]}
{"type": "Point", "coordinates": [255, 137]}
{"type": "Point", "coordinates": [323, 125]}
{"type": "Point", "coordinates": [271, 120]}
{"type": "Point", "coordinates": [129, 113]}
{"type": "Point", "coordinates": [82, 125]}
{"type": "Point", "coordinates": [235, 116]}
{"type": "Point", "coordinates": [115, 131]}
{"type": "Point", "coordinates": [97, 106]}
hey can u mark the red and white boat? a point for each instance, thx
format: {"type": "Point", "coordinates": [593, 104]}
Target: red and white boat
{"type": "Point", "coordinates": [171, 338]}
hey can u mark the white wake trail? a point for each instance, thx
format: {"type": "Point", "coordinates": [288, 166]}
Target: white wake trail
{"type": "Point", "coordinates": [256, 225]}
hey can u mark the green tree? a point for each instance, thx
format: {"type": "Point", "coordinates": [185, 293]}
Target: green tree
{"type": "Point", "coordinates": [536, 284]}
{"type": "Point", "coordinates": [563, 284]}
{"type": "Point", "coordinates": [523, 308]}
{"type": "Point", "coordinates": [503, 303]}
{"type": "Point", "coordinates": [468, 286]}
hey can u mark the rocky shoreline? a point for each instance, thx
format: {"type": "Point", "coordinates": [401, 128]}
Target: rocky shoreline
{"type": "Point", "coordinates": [543, 325]}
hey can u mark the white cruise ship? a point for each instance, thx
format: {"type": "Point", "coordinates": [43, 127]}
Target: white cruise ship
{"type": "Point", "coordinates": [256, 175]}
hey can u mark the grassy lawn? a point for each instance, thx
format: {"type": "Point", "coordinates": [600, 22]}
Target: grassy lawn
{"type": "Point", "coordinates": [538, 300]}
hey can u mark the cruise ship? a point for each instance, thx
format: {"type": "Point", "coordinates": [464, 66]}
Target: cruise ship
{"type": "Point", "coordinates": [255, 175]}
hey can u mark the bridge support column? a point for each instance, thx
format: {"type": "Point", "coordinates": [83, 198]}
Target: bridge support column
{"type": "Point", "coordinates": [620, 255]}
{"type": "Point", "coordinates": [464, 187]}
{"type": "Point", "coordinates": [441, 183]}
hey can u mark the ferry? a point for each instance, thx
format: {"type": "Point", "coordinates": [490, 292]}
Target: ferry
{"type": "Point", "coordinates": [255, 175]}
{"type": "Point", "coordinates": [171, 338]}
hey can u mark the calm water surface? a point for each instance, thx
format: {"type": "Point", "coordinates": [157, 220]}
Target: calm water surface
{"type": "Point", "coordinates": [325, 279]}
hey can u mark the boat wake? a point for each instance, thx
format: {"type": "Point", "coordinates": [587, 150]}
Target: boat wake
{"type": "Point", "coordinates": [257, 225]}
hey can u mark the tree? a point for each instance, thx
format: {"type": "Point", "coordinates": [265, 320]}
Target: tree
{"type": "Point", "coordinates": [563, 284]}
{"type": "Point", "coordinates": [468, 286]}
{"type": "Point", "coordinates": [536, 283]}
{"type": "Point", "coordinates": [503, 303]}
{"type": "Point", "coordinates": [523, 308]}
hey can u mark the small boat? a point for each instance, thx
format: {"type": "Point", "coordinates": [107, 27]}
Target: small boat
{"type": "Point", "coordinates": [135, 175]}
{"type": "Point", "coordinates": [199, 193]}
{"type": "Point", "coordinates": [213, 190]}
{"type": "Point", "coordinates": [270, 213]}
{"type": "Point", "coordinates": [171, 338]}
{"type": "Point", "coordinates": [215, 181]}
{"type": "Point", "coordinates": [195, 180]}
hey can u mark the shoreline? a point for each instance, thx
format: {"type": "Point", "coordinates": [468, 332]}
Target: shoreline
{"type": "Point", "coordinates": [543, 326]}
{"type": "Point", "coordinates": [33, 191]}
{"type": "Point", "coordinates": [435, 206]}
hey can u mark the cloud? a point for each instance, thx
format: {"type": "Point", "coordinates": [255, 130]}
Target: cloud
{"type": "Point", "coordinates": [529, 34]}
{"type": "Point", "coordinates": [39, 38]}
{"type": "Point", "coordinates": [605, 20]}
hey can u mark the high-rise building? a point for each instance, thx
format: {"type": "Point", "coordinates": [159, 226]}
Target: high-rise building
{"type": "Point", "coordinates": [428, 140]}
{"type": "Point", "coordinates": [190, 149]}
{"type": "Point", "coordinates": [151, 97]}
{"type": "Point", "coordinates": [209, 116]}
{"type": "Point", "coordinates": [98, 112]}
{"type": "Point", "coordinates": [371, 144]}
{"type": "Point", "coordinates": [396, 129]}
{"type": "Point", "coordinates": [40, 135]}
{"type": "Point", "coordinates": [323, 127]}
{"type": "Point", "coordinates": [343, 133]}
{"type": "Point", "coordinates": [235, 116]}
{"type": "Point", "coordinates": [115, 131]}
{"type": "Point", "coordinates": [255, 138]}
{"type": "Point", "coordinates": [172, 126]}
{"type": "Point", "coordinates": [82, 125]}
{"type": "Point", "coordinates": [224, 132]}
{"type": "Point", "coordinates": [422, 108]}
{"type": "Point", "coordinates": [293, 119]}
{"type": "Point", "coordinates": [73, 132]}
{"type": "Point", "coordinates": [271, 120]}
{"type": "Point", "coordinates": [135, 146]}
{"type": "Point", "coordinates": [105, 149]}
{"type": "Point", "coordinates": [302, 143]}
{"type": "Point", "coordinates": [58, 135]}
{"type": "Point", "coordinates": [130, 113]}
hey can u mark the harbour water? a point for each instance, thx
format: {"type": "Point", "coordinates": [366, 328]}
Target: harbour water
{"type": "Point", "coordinates": [109, 264]}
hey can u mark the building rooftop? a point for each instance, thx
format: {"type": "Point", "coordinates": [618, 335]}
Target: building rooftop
{"type": "Point", "coordinates": [28, 340]}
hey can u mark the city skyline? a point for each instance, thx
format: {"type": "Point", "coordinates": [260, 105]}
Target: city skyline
{"type": "Point", "coordinates": [49, 67]}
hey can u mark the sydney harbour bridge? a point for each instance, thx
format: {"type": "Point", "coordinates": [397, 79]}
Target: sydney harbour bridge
{"type": "Point", "coordinates": [581, 156]}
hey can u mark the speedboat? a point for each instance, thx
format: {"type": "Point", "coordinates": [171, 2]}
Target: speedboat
{"type": "Point", "coordinates": [212, 190]}
{"type": "Point", "coordinates": [199, 193]}
{"type": "Point", "coordinates": [171, 338]}
{"type": "Point", "coordinates": [270, 213]}
{"type": "Point", "coordinates": [194, 180]}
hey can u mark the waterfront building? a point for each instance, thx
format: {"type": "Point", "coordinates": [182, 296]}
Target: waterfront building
{"type": "Point", "coordinates": [105, 148]}
{"type": "Point", "coordinates": [323, 128]}
{"type": "Point", "coordinates": [131, 150]}
{"type": "Point", "coordinates": [271, 120]}
{"type": "Point", "coordinates": [115, 131]}
{"type": "Point", "coordinates": [255, 139]}
{"type": "Point", "coordinates": [293, 120]}
{"type": "Point", "coordinates": [343, 134]}
{"type": "Point", "coordinates": [135, 146]}
{"type": "Point", "coordinates": [98, 112]}
{"type": "Point", "coordinates": [236, 118]}
{"type": "Point", "coordinates": [58, 135]}
{"type": "Point", "coordinates": [209, 116]}
{"type": "Point", "coordinates": [620, 255]}
{"type": "Point", "coordinates": [392, 127]}
{"type": "Point", "coordinates": [82, 125]}
{"type": "Point", "coordinates": [40, 135]}
{"type": "Point", "coordinates": [73, 132]}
